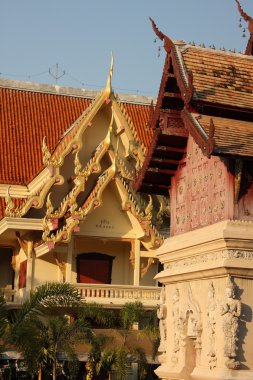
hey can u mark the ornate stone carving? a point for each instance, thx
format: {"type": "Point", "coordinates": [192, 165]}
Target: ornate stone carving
{"type": "Point", "coordinates": [200, 185]}
{"type": "Point", "coordinates": [186, 324]}
{"type": "Point", "coordinates": [231, 311]}
{"type": "Point", "coordinates": [178, 323]}
{"type": "Point", "coordinates": [225, 254]}
{"type": "Point", "coordinates": [211, 325]}
{"type": "Point", "coordinates": [193, 323]}
{"type": "Point", "coordinates": [162, 315]}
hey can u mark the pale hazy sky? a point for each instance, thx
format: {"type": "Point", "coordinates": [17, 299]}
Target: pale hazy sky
{"type": "Point", "coordinates": [80, 34]}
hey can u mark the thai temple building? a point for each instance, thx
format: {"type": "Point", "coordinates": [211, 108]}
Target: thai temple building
{"type": "Point", "coordinates": [68, 208]}
{"type": "Point", "coordinates": [203, 130]}
{"type": "Point", "coordinates": [119, 194]}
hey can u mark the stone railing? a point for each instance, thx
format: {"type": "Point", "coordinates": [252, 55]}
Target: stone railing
{"type": "Point", "coordinates": [8, 294]}
{"type": "Point", "coordinates": [118, 295]}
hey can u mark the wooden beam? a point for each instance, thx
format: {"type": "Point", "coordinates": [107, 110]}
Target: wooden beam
{"type": "Point", "coordinates": [169, 149]}
{"type": "Point", "coordinates": [164, 161]}
{"type": "Point", "coordinates": [173, 95]}
{"type": "Point", "coordinates": [161, 171]}
{"type": "Point", "coordinates": [154, 189]}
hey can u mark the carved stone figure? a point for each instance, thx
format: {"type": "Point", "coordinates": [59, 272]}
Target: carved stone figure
{"type": "Point", "coordinates": [177, 325]}
{"type": "Point", "coordinates": [231, 311]}
{"type": "Point", "coordinates": [193, 323]}
{"type": "Point", "coordinates": [211, 325]}
{"type": "Point", "coordinates": [162, 314]}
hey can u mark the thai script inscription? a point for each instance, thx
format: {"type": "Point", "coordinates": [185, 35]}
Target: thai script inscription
{"type": "Point", "coordinates": [105, 224]}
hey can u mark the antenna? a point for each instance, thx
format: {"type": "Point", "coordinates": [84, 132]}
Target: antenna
{"type": "Point", "coordinates": [56, 72]}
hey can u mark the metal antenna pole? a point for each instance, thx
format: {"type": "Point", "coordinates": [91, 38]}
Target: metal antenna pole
{"type": "Point", "coordinates": [56, 72]}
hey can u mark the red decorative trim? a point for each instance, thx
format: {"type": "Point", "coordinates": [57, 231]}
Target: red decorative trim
{"type": "Point", "coordinates": [151, 114]}
{"type": "Point", "coordinates": [247, 18]}
{"type": "Point", "coordinates": [156, 30]}
{"type": "Point", "coordinates": [156, 115]}
{"type": "Point", "coordinates": [211, 140]}
{"type": "Point", "coordinates": [190, 125]}
{"type": "Point", "coordinates": [186, 89]}
{"type": "Point", "coordinates": [185, 92]}
{"type": "Point", "coordinates": [140, 176]}
{"type": "Point", "coordinates": [190, 89]}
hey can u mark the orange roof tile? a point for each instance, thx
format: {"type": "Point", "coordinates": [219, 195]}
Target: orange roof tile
{"type": "Point", "coordinates": [25, 118]}
{"type": "Point", "coordinates": [233, 137]}
{"type": "Point", "coordinates": [140, 116]}
{"type": "Point", "coordinates": [219, 77]}
{"type": "Point", "coordinates": [27, 115]}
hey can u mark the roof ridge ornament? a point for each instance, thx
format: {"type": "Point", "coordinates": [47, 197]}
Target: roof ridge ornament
{"type": "Point", "coordinates": [247, 18]}
{"type": "Point", "coordinates": [108, 87]}
{"type": "Point", "coordinates": [168, 43]}
{"type": "Point", "coordinates": [156, 30]}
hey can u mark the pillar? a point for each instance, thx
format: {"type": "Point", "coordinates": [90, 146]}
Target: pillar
{"type": "Point", "coordinates": [136, 247]}
{"type": "Point", "coordinates": [208, 279]}
{"type": "Point", "coordinates": [69, 261]}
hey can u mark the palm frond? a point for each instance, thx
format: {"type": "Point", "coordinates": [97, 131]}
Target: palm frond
{"type": "Point", "coordinates": [48, 296]}
{"type": "Point", "coordinates": [131, 312]}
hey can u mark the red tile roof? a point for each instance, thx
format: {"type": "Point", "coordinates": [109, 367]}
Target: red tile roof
{"type": "Point", "coordinates": [140, 116]}
{"type": "Point", "coordinates": [219, 77]}
{"type": "Point", "coordinates": [26, 116]}
{"type": "Point", "coordinates": [197, 82]}
{"type": "Point", "coordinates": [233, 137]}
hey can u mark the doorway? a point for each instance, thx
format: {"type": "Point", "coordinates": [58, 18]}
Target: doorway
{"type": "Point", "coordinates": [94, 268]}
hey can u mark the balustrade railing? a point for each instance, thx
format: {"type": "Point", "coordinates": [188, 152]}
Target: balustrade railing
{"type": "Point", "coordinates": [8, 294]}
{"type": "Point", "coordinates": [107, 295]}
{"type": "Point", "coordinates": [117, 295]}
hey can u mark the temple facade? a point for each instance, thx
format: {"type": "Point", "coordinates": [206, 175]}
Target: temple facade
{"type": "Point", "coordinates": [201, 152]}
{"type": "Point", "coordinates": [68, 209]}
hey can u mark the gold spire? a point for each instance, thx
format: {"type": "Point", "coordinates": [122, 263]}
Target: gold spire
{"type": "Point", "coordinates": [108, 87]}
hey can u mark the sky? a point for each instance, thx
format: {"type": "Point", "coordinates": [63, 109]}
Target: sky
{"type": "Point", "coordinates": [79, 35]}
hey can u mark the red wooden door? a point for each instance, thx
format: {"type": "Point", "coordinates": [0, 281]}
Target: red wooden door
{"type": "Point", "coordinates": [94, 268]}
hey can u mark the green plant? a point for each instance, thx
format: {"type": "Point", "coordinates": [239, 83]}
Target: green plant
{"type": "Point", "coordinates": [140, 358]}
{"type": "Point", "coordinates": [121, 364]}
{"type": "Point", "coordinates": [131, 312]}
{"type": "Point", "coordinates": [40, 332]}
{"type": "Point", "coordinates": [98, 315]}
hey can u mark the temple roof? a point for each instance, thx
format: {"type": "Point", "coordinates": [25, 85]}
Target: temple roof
{"type": "Point", "coordinates": [31, 111]}
{"type": "Point", "coordinates": [232, 137]}
{"type": "Point", "coordinates": [75, 152]}
{"type": "Point", "coordinates": [204, 92]}
{"type": "Point", "coordinates": [219, 77]}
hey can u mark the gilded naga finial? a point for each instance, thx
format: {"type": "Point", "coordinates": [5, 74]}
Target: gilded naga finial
{"type": "Point", "coordinates": [45, 151]}
{"type": "Point", "coordinates": [109, 79]}
{"type": "Point", "coordinates": [9, 203]}
{"type": "Point", "coordinates": [49, 205]}
{"type": "Point", "coordinates": [78, 166]}
{"type": "Point", "coordinates": [149, 208]}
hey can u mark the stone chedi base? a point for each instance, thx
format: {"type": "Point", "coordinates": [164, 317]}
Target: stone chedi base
{"type": "Point", "coordinates": [206, 306]}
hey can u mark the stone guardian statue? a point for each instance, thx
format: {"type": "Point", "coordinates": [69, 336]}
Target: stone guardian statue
{"type": "Point", "coordinates": [231, 311]}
